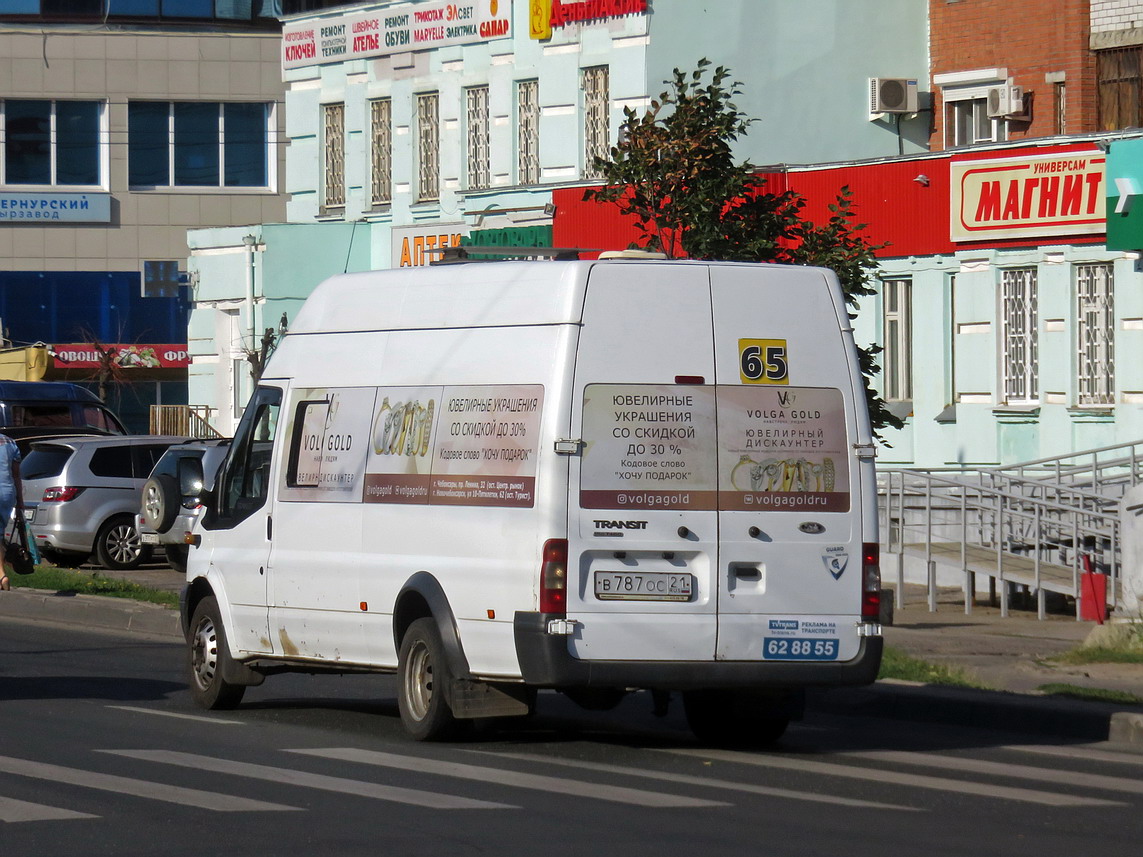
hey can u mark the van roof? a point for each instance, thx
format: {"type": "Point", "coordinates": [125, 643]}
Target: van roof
{"type": "Point", "coordinates": [45, 391]}
{"type": "Point", "coordinates": [476, 294]}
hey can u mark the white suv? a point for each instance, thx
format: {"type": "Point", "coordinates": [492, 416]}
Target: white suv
{"type": "Point", "coordinates": [167, 514]}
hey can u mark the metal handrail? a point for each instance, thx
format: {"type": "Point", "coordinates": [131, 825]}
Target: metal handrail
{"type": "Point", "coordinates": [1012, 523]}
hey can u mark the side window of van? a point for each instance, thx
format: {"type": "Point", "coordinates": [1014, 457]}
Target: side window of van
{"type": "Point", "coordinates": [246, 482]}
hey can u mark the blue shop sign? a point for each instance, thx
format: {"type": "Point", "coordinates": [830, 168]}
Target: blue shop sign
{"type": "Point", "coordinates": [45, 208]}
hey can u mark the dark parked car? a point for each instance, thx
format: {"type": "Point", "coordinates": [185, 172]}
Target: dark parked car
{"type": "Point", "coordinates": [81, 496]}
{"type": "Point", "coordinates": [31, 410]}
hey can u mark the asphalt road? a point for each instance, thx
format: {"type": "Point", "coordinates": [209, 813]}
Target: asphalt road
{"type": "Point", "coordinates": [102, 754]}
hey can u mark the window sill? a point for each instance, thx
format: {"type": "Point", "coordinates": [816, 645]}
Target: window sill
{"type": "Point", "coordinates": [1017, 413]}
{"type": "Point", "coordinates": [1092, 413]}
{"type": "Point", "coordinates": [948, 415]}
{"type": "Point", "coordinates": [902, 409]}
{"type": "Point", "coordinates": [182, 190]}
{"type": "Point", "coordinates": [47, 188]}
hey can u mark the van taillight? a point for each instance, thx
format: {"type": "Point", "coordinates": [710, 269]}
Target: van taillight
{"type": "Point", "coordinates": [554, 577]}
{"type": "Point", "coordinates": [870, 581]}
{"type": "Point", "coordinates": [61, 494]}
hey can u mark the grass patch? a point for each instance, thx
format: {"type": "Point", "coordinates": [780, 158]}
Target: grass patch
{"type": "Point", "coordinates": [91, 583]}
{"type": "Point", "coordinates": [896, 664]}
{"type": "Point", "coordinates": [1100, 655]}
{"type": "Point", "coordinates": [1091, 694]}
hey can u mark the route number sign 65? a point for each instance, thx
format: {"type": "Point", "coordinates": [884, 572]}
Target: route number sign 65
{"type": "Point", "coordinates": [763, 361]}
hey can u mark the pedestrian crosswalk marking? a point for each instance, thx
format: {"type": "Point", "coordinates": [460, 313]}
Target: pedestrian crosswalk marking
{"type": "Point", "coordinates": [1001, 769]}
{"type": "Point", "coordinates": [20, 810]}
{"type": "Point", "coordinates": [880, 775]}
{"type": "Point", "coordinates": [1081, 752]}
{"type": "Point", "coordinates": [213, 721]}
{"type": "Point", "coordinates": [288, 776]}
{"type": "Point", "coordinates": [136, 788]}
{"type": "Point", "coordinates": [708, 782]}
{"type": "Point", "coordinates": [535, 782]}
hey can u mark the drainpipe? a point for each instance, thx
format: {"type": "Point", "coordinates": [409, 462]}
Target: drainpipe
{"type": "Point", "coordinates": [249, 241]}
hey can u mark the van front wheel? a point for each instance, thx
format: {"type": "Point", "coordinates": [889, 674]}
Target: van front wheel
{"type": "Point", "coordinates": [207, 656]}
{"type": "Point", "coordinates": [423, 675]}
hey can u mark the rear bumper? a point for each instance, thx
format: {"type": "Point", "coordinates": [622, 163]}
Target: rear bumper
{"type": "Point", "coordinates": [546, 662]}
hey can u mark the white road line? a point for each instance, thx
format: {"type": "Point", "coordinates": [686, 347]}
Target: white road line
{"type": "Point", "coordinates": [1003, 769]}
{"type": "Point", "coordinates": [876, 775]}
{"type": "Point", "coordinates": [213, 721]}
{"type": "Point", "coordinates": [287, 776]}
{"type": "Point", "coordinates": [137, 788]}
{"type": "Point", "coordinates": [19, 810]}
{"type": "Point", "coordinates": [535, 782]}
{"type": "Point", "coordinates": [748, 788]}
{"type": "Point", "coordinates": [1083, 753]}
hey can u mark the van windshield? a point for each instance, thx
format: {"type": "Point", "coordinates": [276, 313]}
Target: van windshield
{"type": "Point", "coordinates": [100, 418]}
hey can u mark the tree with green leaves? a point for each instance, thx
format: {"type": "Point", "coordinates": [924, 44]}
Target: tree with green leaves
{"type": "Point", "coordinates": [674, 172]}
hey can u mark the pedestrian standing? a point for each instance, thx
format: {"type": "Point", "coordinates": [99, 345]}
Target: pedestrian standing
{"type": "Point", "coordinates": [11, 495]}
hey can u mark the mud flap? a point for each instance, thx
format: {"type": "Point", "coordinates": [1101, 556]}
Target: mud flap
{"type": "Point", "coordinates": [469, 699]}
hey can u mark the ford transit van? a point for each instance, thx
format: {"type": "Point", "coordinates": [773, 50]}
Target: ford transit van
{"type": "Point", "coordinates": [594, 477]}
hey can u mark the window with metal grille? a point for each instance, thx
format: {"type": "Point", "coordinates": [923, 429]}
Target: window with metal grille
{"type": "Point", "coordinates": [428, 147]}
{"type": "Point", "coordinates": [967, 123]}
{"type": "Point", "coordinates": [898, 332]}
{"type": "Point", "coordinates": [52, 142]}
{"type": "Point", "coordinates": [333, 189]}
{"type": "Point", "coordinates": [1095, 342]}
{"type": "Point", "coordinates": [1118, 75]}
{"type": "Point", "coordinates": [476, 112]}
{"type": "Point", "coordinates": [596, 126]}
{"type": "Point", "coordinates": [1020, 357]}
{"type": "Point", "coordinates": [381, 151]}
{"type": "Point", "coordinates": [528, 132]}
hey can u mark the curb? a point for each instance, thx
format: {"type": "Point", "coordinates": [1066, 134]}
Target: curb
{"type": "Point", "coordinates": [92, 611]}
{"type": "Point", "coordinates": [985, 709]}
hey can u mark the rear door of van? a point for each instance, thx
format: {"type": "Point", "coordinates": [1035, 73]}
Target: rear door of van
{"type": "Point", "coordinates": [643, 525]}
{"type": "Point", "coordinates": [790, 519]}
{"type": "Point", "coordinates": [713, 513]}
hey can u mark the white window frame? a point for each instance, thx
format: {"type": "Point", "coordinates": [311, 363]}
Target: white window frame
{"type": "Point", "coordinates": [897, 332]}
{"type": "Point", "coordinates": [477, 119]}
{"type": "Point", "coordinates": [428, 147]}
{"type": "Point", "coordinates": [528, 132]}
{"type": "Point", "coordinates": [333, 147]}
{"type": "Point", "coordinates": [1095, 334]}
{"type": "Point", "coordinates": [966, 93]}
{"type": "Point", "coordinates": [596, 84]}
{"type": "Point", "coordinates": [102, 142]}
{"type": "Point", "coordinates": [1019, 336]}
{"type": "Point", "coordinates": [381, 151]}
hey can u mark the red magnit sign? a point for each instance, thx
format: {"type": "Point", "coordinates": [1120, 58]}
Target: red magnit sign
{"type": "Point", "coordinates": [83, 355]}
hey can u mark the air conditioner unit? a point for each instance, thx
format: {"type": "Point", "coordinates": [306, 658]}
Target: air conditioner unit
{"type": "Point", "coordinates": [1006, 100]}
{"type": "Point", "coordinates": [892, 95]}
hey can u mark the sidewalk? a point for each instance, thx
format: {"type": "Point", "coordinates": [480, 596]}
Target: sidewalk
{"type": "Point", "coordinates": [1007, 654]}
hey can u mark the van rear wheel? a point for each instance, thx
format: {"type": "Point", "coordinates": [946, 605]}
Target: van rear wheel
{"type": "Point", "coordinates": [207, 657]}
{"type": "Point", "coordinates": [726, 718]}
{"type": "Point", "coordinates": [423, 675]}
